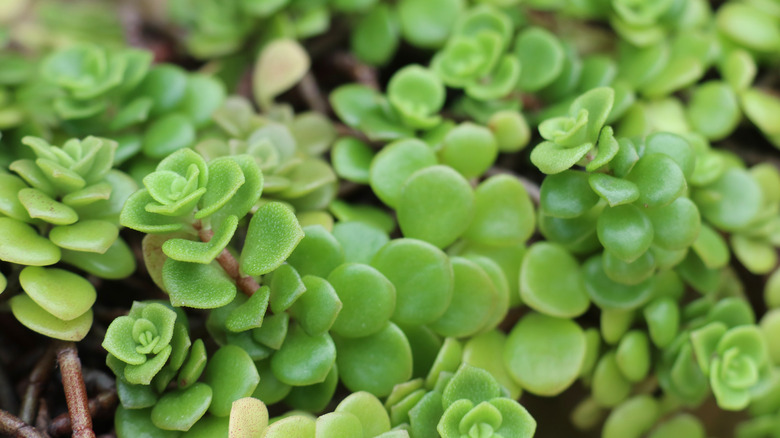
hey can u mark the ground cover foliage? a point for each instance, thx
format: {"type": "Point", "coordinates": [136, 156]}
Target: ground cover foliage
{"type": "Point", "coordinates": [375, 218]}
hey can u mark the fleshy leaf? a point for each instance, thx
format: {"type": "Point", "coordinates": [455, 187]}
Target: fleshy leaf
{"type": "Point", "coordinates": [61, 293]}
{"type": "Point", "coordinates": [273, 234]}
{"type": "Point", "coordinates": [197, 285]}
{"type": "Point", "coordinates": [39, 320]}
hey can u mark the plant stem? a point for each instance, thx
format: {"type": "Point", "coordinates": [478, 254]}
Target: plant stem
{"type": "Point", "coordinates": [75, 390]}
{"type": "Point", "coordinates": [38, 378]}
{"type": "Point", "coordinates": [361, 73]}
{"type": "Point", "coordinates": [43, 418]}
{"type": "Point", "coordinates": [102, 404]}
{"type": "Point", "coordinates": [310, 91]}
{"type": "Point", "coordinates": [245, 283]}
{"type": "Point", "coordinates": [12, 425]}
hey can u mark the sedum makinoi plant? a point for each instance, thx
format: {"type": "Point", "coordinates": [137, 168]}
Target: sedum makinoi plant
{"type": "Point", "coordinates": [63, 206]}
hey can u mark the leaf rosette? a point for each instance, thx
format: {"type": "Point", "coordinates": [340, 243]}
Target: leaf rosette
{"type": "Point", "coordinates": [141, 343]}
{"type": "Point", "coordinates": [73, 193]}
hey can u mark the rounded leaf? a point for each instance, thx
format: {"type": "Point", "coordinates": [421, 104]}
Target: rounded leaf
{"type": "Point", "coordinates": [394, 164]}
{"type": "Point", "coordinates": [62, 293]}
{"type": "Point", "coordinates": [282, 63]}
{"type": "Point", "coordinates": [39, 320]}
{"type": "Point", "coordinates": [469, 148]}
{"type": "Point", "coordinates": [303, 359]}
{"type": "Point", "coordinates": [551, 281]}
{"type": "Point", "coordinates": [544, 354]}
{"type": "Point", "coordinates": [272, 236]}
{"type": "Point", "coordinates": [436, 205]}
{"type": "Point", "coordinates": [375, 363]}
{"type": "Point", "coordinates": [232, 375]}
{"type": "Point", "coordinates": [368, 299]}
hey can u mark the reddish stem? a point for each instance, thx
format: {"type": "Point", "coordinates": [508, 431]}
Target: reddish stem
{"type": "Point", "coordinates": [247, 284]}
{"type": "Point", "coordinates": [75, 390]}
{"type": "Point", "coordinates": [102, 404]}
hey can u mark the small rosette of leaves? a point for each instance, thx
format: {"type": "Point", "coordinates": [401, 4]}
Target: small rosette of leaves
{"type": "Point", "coordinates": [571, 138]}
{"type": "Point", "coordinates": [474, 58]}
{"type": "Point", "coordinates": [88, 76]}
{"type": "Point", "coordinates": [734, 359]}
{"type": "Point", "coordinates": [287, 148]}
{"type": "Point", "coordinates": [415, 95]}
{"type": "Point", "coordinates": [141, 343]}
{"type": "Point", "coordinates": [645, 22]}
{"type": "Point", "coordinates": [72, 194]}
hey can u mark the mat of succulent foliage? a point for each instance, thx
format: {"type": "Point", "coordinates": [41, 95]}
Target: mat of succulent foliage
{"type": "Point", "coordinates": [374, 218]}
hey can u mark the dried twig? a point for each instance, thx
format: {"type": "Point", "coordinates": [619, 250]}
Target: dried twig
{"type": "Point", "coordinates": [101, 405]}
{"type": "Point", "coordinates": [12, 425]}
{"type": "Point", "coordinates": [43, 418]}
{"type": "Point", "coordinates": [38, 378]}
{"type": "Point", "coordinates": [245, 283]}
{"type": "Point", "coordinates": [75, 390]}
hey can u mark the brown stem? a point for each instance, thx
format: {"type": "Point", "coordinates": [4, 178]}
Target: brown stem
{"type": "Point", "coordinates": [75, 390]}
{"type": "Point", "coordinates": [43, 418]}
{"type": "Point", "coordinates": [247, 284]}
{"type": "Point", "coordinates": [310, 91]}
{"type": "Point", "coordinates": [12, 425]}
{"type": "Point", "coordinates": [38, 378]}
{"type": "Point", "coordinates": [101, 405]}
{"type": "Point", "coordinates": [362, 73]}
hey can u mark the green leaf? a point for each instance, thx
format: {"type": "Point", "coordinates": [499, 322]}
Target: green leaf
{"type": "Point", "coordinates": [286, 288]}
{"type": "Point", "coordinates": [61, 293]}
{"type": "Point", "coordinates": [369, 410]}
{"type": "Point", "coordinates": [633, 355]}
{"type": "Point", "coordinates": [314, 398]}
{"type": "Point", "coordinates": [542, 57]}
{"type": "Point", "coordinates": [360, 241]}
{"type": "Point", "coordinates": [428, 24]}
{"type": "Point", "coordinates": [135, 216]}
{"type": "Point", "coordinates": [166, 84]}
{"type": "Point", "coordinates": [181, 408]}
{"type": "Point", "coordinates": [168, 134]}
{"type": "Point", "coordinates": [422, 276]}
{"type": "Point", "coordinates": [625, 231]}
{"type": "Point", "coordinates": [469, 148]}
{"type": "Point", "coordinates": [676, 226]}
{"type": "Point", "coordinates": [303, 359]}
{"type": "Point", "coordinates": [191, 370]}
{"type": "Point", "coordinates": [249, 314]}
{"type": "Point", "coordinates": [192, 251]}
{"type": "Point", "coordinates": [117, 262]}
{"type": "Point", "coordinates": [616, 191]}
{"type": "Point", "coordinates": [473, 300]}
{"type": "Point", "coordinates": [663, 320]}
{"type": "Point", "coordinates": [436, 205]}
{"type": "Point", "coordinates": [609, 294]}
{"type": "Point", "coordinates": [341, 424]}
{"type": "Point", "coordinates": [138, 422]}
{"type": "Point", "coordinates": [9, 200]}
{"type": "Point", "coordinates": [318, 253]}
{"type": "Point", "coordinates": [318, 308]}
{"type": "Point", "coordinates": [566, 195]}
{"type": "Point", "coordinates": [394, 164]}
{"type": "Point", "coordinates": [486, 351]}
{"type": "Point", "coordinates": [281, 64]}
{"type": "Point", "coordinates": [39, 205]}
{"type": "Point", "coordinates": [749, 26]}
{"type": "Point", "coordinates": [714, 110]}
{"type": "Point", "coordinates": [731, 202]}
{"type": "Point", "coordinates": [39, 320]}
{"type": "Point", "coordinates": [20, 243]}
{"type": "Point", "coordinates": [295, 425]}
{"type": "Point", "coordinates": [544, 354]}
{"type": "Point", "coordinates": [351, 159]}
{"type": "Point", "coordinates": [470, 383]}
{"type": "Point", "coordinates": [632, 418]}
{"type": "Point", "coordinates": [510, 130]}
{"type": "Point", "coordinates": [89, 236]}
{"type": "Point", "coordinates": [273, 234]}
{"type": "Point", "coordinates": [418, 95]}
{"type": "Point", "coordinates": [232, 375]}
{"type": "Point", "coordinates": [374, 363]}
{"type": "Point", "coordinates": [551, 158]}
{"type": "Point", "coordinates": [551, 282]}
{"type": "Point", "coordinates": [368, 299]}
{"type": "Point", "coordinates": [200, 286]}
{"type": "Point", "coordinates": [375, 36]}
{"type": "Point", "coordinates": [225, 179]}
